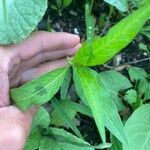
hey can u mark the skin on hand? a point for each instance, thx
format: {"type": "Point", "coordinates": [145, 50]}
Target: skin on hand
{"type": "Point", "coordinates": [40, 53]}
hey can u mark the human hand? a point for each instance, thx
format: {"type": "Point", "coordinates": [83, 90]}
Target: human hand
{"type": "Point", "coordinates": [38, 54]}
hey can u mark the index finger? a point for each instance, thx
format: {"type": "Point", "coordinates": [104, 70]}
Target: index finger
{"type": "Point", "coordinates": [43, 41]}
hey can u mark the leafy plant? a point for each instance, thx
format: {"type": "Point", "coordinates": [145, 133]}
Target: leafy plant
{"type": "Point", "coordinates": [119, 36]}
{"type": "Point", "coordinates": [18, 25]}
{"type": "Point", "coordinates": [99, 92]}
{"type": "Point", "coordinates": [60, 5]}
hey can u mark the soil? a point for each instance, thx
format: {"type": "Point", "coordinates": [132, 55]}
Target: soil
{"type": "Point", "coordinates": [72, 20]}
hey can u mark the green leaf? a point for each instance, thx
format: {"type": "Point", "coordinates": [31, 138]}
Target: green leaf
{"type": "Point", "coordinates": [144, 89]}
{"type": "Point", "coordinates": [59, 139]}
{"type": "Point", "coordinates": [71, 108]}
{"type": "Point", "coordinates": [115, 82]}
{"type": "Point", "coordinates": [19, 18]}
{"type": "Point", "coordinates": [65, 86]}
{"type": "Point", "coordinates": [34, 140]}
{"type": "Point", "coordinates": [137, 74]}
{"type": "Point", "coordinates": [59, 3]}
{"type": "Point", "coordinates": [116, 145]}
{"type": "Point", "coordinates": [79, 90]}
{"type": "Point", "coordinates": [100, 102]}
{"type": "Point", "coordinates": [137, 129]}
{"type": "Point", "coordinates": [139, 3]}
{"type": "Point", "coordinates": [146, 33]}
{"type": "Point", "coordinates": [41, 119]}
{"type": "Point", "coordinates": [56, 115]}
{"type": "Point", "coordinates": [112, 118]}
{"type": "Point", "coordinates": [66, 3]}
{"type": "Point", "coordinates": [131, 96]}
{"type": "Point", "coordinates": [48, 25]}
{"type": "Point", "coordinates": [144, 47]}
{"type": "Point", "coordinates": [79, 108]}
{"type": "Point", "coordinates": [92, 92]}
{"type": "Point", "coordinates": [122, 5]}
{"type": "Point", "coordinates": [117, 38]}
{"type": "Point", "coordinates": [38, 91]}
{"type": "Point", "coordinates": [65, 117]}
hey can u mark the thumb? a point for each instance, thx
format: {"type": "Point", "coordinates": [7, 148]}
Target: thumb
{"type": "Point", "coordinates": [4, 89]}
{"type": "Point", "coordinates": [15, 127]}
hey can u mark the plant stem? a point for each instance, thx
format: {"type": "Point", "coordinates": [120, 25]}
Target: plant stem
{"type": "Point", "coordinates": [91, 6]}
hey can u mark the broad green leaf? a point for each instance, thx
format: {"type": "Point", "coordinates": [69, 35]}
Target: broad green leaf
{"type": "Point", "coordinates": [131, 96]}
{"type": "Point", "coordinates": [137, 129]}
{"type": "Point", "coordinates": [115, 82]}
{"type": "Point", "coordinates": [122, 5]}
{"type": "Point", "coordinates": [117, 38]}
{"type": "Point", "coordinates": [19, 18]}
{"type": "Point", "coordinates": [71, 108]}
{"type": "Point", "coordinates": [137, 74]}
{"type": "Point", "coordinates": [41, 119]}
{"type": "Point", "coordinates": [65, 85]}
{"type": "Point", "coordinates": [65, 117]}
{"type": "Point", "coordinates": [92, 91]}
{"type": "Point", "coordinates": [38, 91]}
{"type": "Point", "coordinates": [98, 98]}
{"type": "Point", "coordinates": [59, 139]}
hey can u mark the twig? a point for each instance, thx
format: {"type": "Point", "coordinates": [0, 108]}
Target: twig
{"type": "Point", "coordinates": [123, 66]}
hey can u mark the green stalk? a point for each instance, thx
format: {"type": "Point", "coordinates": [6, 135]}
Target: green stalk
{"type": "Point", "coordinates": [91, 6]}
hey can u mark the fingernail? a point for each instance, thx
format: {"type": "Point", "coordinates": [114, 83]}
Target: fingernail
{"type": "Point", "coordinates": [78, 46]}
{"type": "Point", "coordinates": [73, 50]}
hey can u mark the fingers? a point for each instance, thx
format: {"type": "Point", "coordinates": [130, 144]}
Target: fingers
{"type": "Point", "coordinates": [47, 56]}
{"type": "Point", "coordinates": [41, 69]}
{"type": "Point", "coordinates": [44, 41]}
{"type": "Point", "coordinates": [4, 89]}
{"type": "Point", "coordinates": [15, 127]}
